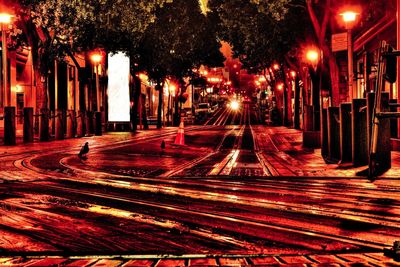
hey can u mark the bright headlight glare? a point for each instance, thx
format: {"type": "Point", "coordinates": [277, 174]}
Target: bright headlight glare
{"type": "Point", "coordinates": [234, 105]}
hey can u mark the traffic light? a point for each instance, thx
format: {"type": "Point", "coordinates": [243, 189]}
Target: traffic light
{"type": "Point", "coordinates": [391, 66]}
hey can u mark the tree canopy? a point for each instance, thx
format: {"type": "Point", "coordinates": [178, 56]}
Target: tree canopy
{"type": "Point", "coordinates": [180, 39]}
{"type": "Point", "coordinates": [259, 32]}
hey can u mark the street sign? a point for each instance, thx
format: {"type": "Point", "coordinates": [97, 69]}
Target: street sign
{"type": "Point", "coordinates": [339, 42]}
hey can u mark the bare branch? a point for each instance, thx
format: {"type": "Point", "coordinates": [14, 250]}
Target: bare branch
{"type": "Point", "coordinates": [321, 35]}
{"type": "Point", "coordinates": [313, 17]}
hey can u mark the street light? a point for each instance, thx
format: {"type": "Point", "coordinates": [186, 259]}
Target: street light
{"type": "Point", "coordinates": [96, 59]}
{"type": "Point", "coordinates": [349, 17]}
{"type": "Point", "coordinates": [171, 96]}
{"type": "Point", "coordinates": [5, 19]}
{"type": "Point", "coordinates": [314, 57]}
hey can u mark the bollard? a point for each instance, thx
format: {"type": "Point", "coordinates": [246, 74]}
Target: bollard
{"type": "Point", "coordinates": [359, 132]}
{"type": "Point", "coordinates": [345, 133]}
{"type": "Point", "coordinates": [9, 126]}
{"type": "Point", "coordinates": [393, 121]}
{"type": "Point", "coordinates": [81, 124]}
{"type": "Point", "coordinates": [324, 134]}
{"type": "Point", "coordinates": [28, 125]}
{"type": "Point", "coordinates": [370, 107]}
{"type": "Point", "coordinates": [71, 122]}
{"type": "Point", "coordinates": [59, 133]}
{"type": "Point", "coordinates": [308, 118]}
{"type": "Point", "coordinates": [333, 126]}
{"type": "Point", "coordinates": [52, 123]}
{"type": "Point", "coordinates": [44, 125]}
{"type": "Point", "coordinates": [383, 154]}
{"type": "Point", "coordinates": [98, 130]}
{"type": "Point", "coordinates": [311, 138]}
{"type": "Point", "coordinates": [89, 123]}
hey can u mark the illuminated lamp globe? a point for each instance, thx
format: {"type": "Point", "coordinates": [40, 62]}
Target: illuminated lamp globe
{"type": "Point", "coordinates": [312, 55]}
{"type": "Point", "coordinates": [5, 18]}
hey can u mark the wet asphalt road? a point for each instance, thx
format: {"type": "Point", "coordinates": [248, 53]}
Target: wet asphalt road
{"type": "Point", "coordinates": [219, 194]}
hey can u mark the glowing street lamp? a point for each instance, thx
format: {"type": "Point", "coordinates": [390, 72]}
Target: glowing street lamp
{"type": "Point", "coordinates": [96, 59]}
{"type": "Point", "coordinates": [312, 56]}
{"type": "Point", "coordinates": [349, 18]}
{"type": "Point", "coordinates": [5, 19]}
{"type": "Point", "coordinates": [172, 90]}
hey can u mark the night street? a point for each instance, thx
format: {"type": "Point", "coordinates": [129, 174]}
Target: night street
{"type": "Point", "coordinates": [167, 133]}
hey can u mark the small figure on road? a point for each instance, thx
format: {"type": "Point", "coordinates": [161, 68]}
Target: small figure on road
{"type": "Point", "coordinates": [84, 151]}
{"type": "Point", "coordinates": [162, 144]}
{"type": "Point", "coordinates": [162, 148]}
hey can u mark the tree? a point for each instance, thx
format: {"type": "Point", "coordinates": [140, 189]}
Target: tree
{"type": "Point", "coordinates": [260, 32]}
{"type": "Point", "coordinates": [54, 29]}
{"type": "Point", "coordinates": [181, 38]}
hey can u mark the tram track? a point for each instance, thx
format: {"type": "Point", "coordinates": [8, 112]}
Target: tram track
{"type": "Point", "coordinates": [24, 163]}
{"type": "Point", "coordinates": [242, 212]}
{"type": "Point", "coordinates": [336, 204]}
{"type": "Point", "coordinates": [243, 145]}
{"type": "Point", "coordinates": [96, 173]}
{"type": "Point", "coordinates": [326, 210]}
{"type": "Point", "coordinates": [334, 197]}
{"type": "Point", "coordinates": [225, 220]}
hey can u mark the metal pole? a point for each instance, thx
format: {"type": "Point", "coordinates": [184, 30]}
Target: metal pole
{"type": "Point", "coordinates": [97, 86]}
{"type": "Point", "coordinates": [350, 64]}
{"type": "Point", "coordinates": [193, 96]}
{"type": "Point", "coordinates": [55, 86]}
{"type": "Point", "coordinates": [398, 62]}
{"type": "Point", "coordinates": [4, 63]}
{"type": "Point", "coordinates": [168, 107]}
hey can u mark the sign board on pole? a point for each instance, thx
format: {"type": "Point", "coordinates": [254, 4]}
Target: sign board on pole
{"type": "Point", "coordinates": [118, 88]}
{"type": "Point", "coordinates": [339, 42]}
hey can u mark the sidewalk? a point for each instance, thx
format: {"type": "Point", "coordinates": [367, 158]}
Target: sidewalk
{"type": "Point", "coordinates": [292, 159]}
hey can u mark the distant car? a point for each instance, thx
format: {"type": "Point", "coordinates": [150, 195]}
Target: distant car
{"type": "Point", "coordinates": [247, 99]}
{"type": "Point", "coordinates": [203, 109]}
{"type": "Point", "coordinates": [214, 107]}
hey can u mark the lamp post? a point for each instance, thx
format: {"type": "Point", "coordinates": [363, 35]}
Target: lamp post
{"type": "Point", "coordinates": [96, 59]}
{"type": "Point", "coordinates": [5, 19]}
{"type": "Point", "coordinates": [349, 17]}
{"type": "Point", "coordinates": [171, 96]}
{"type": "Point", "coordinates": [238, 68]}
{"type": "Point", "coordinates": [314, 58]}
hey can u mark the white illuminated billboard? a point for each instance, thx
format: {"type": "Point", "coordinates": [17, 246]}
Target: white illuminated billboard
{"type": "Point", "coordinates": [118, 88]}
